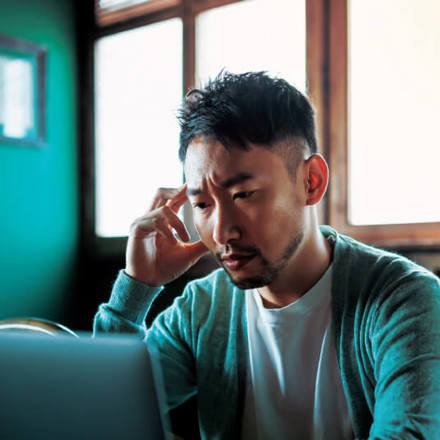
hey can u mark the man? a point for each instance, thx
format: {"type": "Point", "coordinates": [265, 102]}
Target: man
{"type": "Point", "coordinates": [303, 333]}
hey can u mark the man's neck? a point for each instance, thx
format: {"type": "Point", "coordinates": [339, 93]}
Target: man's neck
{"type": "Point", "coordinates": [304, 270]}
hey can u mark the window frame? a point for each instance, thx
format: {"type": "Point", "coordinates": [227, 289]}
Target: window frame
{"type": "Point", "coordinates": [415, 236]}
{"type": "Point", "coordinates": [108, 17]}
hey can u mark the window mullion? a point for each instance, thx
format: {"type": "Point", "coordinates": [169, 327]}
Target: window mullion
{"type": "Point", "coordinates": [188, 45]}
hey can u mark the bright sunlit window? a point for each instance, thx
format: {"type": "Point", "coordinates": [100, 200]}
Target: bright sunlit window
{"type": "Point", "coordinates": [394, 95]}
{"type": "Point", "coordinates": [253, 35]}
{"type": "Point", "coordinates": [138, 89]}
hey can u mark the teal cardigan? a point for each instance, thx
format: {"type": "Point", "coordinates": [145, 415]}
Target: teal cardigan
{"type": "Point", "coordinates": [386, 314]}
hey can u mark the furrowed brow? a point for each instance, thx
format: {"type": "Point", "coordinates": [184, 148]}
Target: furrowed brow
{"type": "Point", "coordinates": [193, 191]}
{"type": "Point", "coordinates": [234, 180]}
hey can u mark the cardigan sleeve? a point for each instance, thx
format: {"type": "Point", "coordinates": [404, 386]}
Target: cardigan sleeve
{"type": "Point", "coordinates": [405, 345]}
{"type": "Point", "coordinates": [127, 308]}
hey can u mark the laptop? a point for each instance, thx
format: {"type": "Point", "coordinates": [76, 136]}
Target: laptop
{"type": "Point", "coordinates": [83, 388]}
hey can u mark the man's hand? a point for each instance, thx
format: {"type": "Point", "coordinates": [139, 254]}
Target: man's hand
{"type": "Point", "coordinates": [154, 255]}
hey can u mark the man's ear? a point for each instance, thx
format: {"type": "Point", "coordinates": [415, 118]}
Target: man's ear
{"type": "Point", "coordinates": [316, 178]}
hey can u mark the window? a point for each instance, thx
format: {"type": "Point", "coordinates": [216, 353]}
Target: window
{"type": "Point", "coordinates": [172, 43]}
{"type": "Point", "coordinates": [138, 87]}
{"type": "Point", "coordinates": [226, 37]}
{"type": "Point", "coordinates": [384, 96]}
{"type": "Point", "coordinates": [393, 111]}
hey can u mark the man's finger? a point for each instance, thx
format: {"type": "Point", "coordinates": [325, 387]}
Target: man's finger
{"type": "Point", "coordinates": [175, 222]}
{"type": "Point", "coordinates": [162, 196]}
{"type": "Point", "coordinates": [178, 200]}
{"type": "Point", "coordinates": [163, 229]}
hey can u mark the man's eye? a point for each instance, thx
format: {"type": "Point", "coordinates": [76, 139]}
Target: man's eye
{"type": "Point", "coordinates": [200, 205]}
{"type": "Point", "coordinates": [243, 194]}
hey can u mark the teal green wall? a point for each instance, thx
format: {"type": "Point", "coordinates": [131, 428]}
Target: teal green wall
{"type": "Point", "coordinates": [38, 187]}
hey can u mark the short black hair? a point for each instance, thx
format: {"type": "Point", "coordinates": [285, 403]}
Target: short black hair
{"type": "Point", "coordinates": [248, 108]}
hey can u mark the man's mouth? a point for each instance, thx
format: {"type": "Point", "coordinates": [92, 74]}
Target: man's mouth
{"type": "Point", "coordinates": [236, 261]}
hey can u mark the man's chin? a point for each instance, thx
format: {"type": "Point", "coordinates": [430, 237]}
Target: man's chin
{"type": "Point", "coordinates": [260, 275]}
{"type": "Point", "coordinates": [252, 276]}
{"type": "Point", "coordinates": [250, 282]}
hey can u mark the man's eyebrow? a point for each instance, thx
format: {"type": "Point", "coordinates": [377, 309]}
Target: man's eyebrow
{"type": "Point", "coordinates": [234, 180]}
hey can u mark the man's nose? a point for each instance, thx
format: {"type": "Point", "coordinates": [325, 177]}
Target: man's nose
{"type": "Point", "coordinates": [226, 226]}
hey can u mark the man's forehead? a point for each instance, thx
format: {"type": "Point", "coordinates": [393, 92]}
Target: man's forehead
{"type": "Point", "coordinates": [206, 150]}
{"type": "Point", "coordinates": [212, 159]}
{"type": "Point", "coordinates": [205, 154]}
{"type": "Point", "coordinates": [231, 181]}
{"type": "Point", "coordinates": [208, 160]}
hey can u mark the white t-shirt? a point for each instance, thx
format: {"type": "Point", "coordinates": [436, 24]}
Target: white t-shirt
{"type": "Point", "coordinates": [294, 388]}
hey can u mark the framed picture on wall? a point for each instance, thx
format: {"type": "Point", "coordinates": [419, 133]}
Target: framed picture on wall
{"type": "Point", "coordinates": [22, 92]}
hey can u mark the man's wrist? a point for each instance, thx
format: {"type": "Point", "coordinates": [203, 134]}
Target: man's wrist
{"type": "Point", "coordinates": [134, 276]}
{"type": "Point", "coordinates": [132, 298]}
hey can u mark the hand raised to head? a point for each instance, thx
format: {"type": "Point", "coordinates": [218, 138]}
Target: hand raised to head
{"type": "Point", "coordinates": [154, 254]}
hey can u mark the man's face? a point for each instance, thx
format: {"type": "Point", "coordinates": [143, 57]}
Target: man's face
{"type": "Point", "coordinates": [247, 208]}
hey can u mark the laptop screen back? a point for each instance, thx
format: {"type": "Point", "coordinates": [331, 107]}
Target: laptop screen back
{"type": "Point", "coordinates": [78, 388]}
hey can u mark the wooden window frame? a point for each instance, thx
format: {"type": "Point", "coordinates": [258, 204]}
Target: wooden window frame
{"type": "Point", "coordinates": [93, 25]}
{"type": "Point", "coordinates": [107, 17]}
{"type": "Point", "coordinates": [397, 236]}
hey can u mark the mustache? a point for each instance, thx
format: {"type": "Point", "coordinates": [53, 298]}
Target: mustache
{"type": "Point", "coordinates": [246, 250]}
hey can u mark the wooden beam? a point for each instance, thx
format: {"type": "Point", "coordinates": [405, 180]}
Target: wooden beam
{"type": "Point", "coordinates": [317, 77]}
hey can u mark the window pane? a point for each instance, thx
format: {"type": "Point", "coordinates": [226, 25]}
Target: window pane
{"type": "Point", "coordinates": [394, 91]}
{"type": "Point", "coordinates": [253, 35]}
{"type": "Point", "coordinates": [138, 90]}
